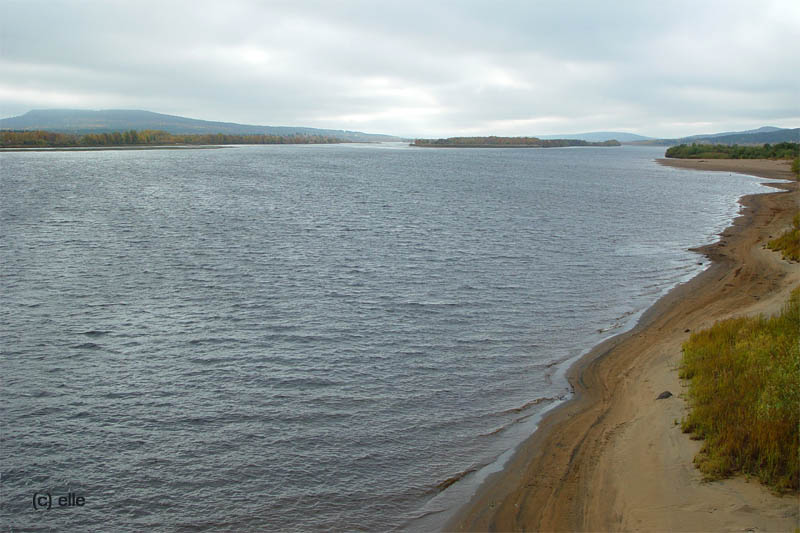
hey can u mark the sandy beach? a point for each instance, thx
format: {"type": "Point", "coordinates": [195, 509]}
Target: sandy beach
{"type": "Point", "coordinates": [613, 458]}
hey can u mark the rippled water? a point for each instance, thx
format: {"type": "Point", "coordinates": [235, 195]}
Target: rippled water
{"type": "Point", "coordinates": [309, 337]}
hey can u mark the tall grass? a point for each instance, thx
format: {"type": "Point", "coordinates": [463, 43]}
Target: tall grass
{"type": "Point", "coordinates": [788, 243]}
{"type": "Point", "coordinates": [744, 396]}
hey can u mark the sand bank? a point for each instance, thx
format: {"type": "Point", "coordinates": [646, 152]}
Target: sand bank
{"type": "Point", "coordinates": [763, 168]}
{"type": "Point", "coordinates": [612, 458]}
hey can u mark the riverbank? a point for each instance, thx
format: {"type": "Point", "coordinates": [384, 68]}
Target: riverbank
{"type": "Point", "coordinates": [763, 168]}
{"type": "Point", "coordinates": [612, 458]}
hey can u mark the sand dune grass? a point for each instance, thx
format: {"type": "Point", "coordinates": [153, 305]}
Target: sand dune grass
{"type": "Point", "coordinates": [788, 243]}
{"type": "Point", "coordinates": [744, 396]}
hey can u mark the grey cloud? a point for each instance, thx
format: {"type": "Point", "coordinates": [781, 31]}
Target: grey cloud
{"type": "Point", "coordinates": [412, 67]}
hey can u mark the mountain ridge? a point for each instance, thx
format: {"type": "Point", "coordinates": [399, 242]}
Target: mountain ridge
{"type": "Point", "coordinates": [599, 136]}
{"type": "Point", "coordinates": [763, 135]}
{"type": "Point", "coordinates": [109, 120]}
{"type": "Point", "coordinates": [762, 129]}
{"type": "Point", "coordinates": [81, 121]}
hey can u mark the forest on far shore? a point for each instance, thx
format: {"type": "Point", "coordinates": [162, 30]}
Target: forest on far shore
{"type": "Point", "coordinates": [47, 139]}
{"type": "Point", "coordinates": [784, 150]}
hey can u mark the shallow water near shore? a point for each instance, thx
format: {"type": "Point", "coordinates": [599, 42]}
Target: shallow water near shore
{"type": "Point", "coordinates": [311, 337]}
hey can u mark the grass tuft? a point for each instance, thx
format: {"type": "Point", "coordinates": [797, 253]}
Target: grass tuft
{"type": "Point", "coordinates": [788, 243]}
{"type": "Point", "coordinates": [744, 396]}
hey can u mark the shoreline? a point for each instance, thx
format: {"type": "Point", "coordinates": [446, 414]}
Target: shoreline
{"type": "Point", "coordinates": [109, 148]}
{"type": "Point", "coordinates": [611, 457]}
{"type": "Point", "coordinates": [762, 168]}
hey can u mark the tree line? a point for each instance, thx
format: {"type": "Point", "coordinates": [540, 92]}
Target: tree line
{"type": "Point", "coordinates": [45, 139]}
{"type": "Point", "coordinates": [784, 150]}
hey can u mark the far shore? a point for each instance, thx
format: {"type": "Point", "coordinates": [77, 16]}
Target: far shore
{"type": "Point", "coordinates": [500, 146]}
{"type": "Point", "coordinates": [106, 148]}
{"type": "Point", "coordinates": [613, 458]}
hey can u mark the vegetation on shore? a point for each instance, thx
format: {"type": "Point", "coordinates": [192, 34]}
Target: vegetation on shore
{"type": "Point", "coordinates": [506, 142]}
{"type": "Point", "coordinates": [744, 394]}
{"type": "Point", "coordinates": [784, 150]}
{"type": "Point", "coordinates": [46, 139]}
{"type": "Point", "coordinates": [788, 243]}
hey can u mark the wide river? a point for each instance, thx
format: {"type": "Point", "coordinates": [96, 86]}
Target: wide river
{"type": "Point", "coordinates": [311, 337]}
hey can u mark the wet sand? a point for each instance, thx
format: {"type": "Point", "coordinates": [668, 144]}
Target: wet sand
{"type": "Point", "coordinates": [612, 458]}
{"type": "Point", "coordinates": [763, 168]}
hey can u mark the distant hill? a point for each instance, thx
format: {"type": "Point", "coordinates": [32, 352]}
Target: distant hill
{"type": "Point", "coordinates": [763, 129]}
{"type": "Point", "coordinates": [777, 136]}
{"type": "Point", "coordinates": [767, 134]}
{"type": "Point", "coordinates": [111, 120]}
{"type": "Point", "coordinates": [600, 136]}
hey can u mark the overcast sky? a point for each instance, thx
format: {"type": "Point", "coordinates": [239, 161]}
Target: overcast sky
{"type": "Point", "coordinates": [431, 68]}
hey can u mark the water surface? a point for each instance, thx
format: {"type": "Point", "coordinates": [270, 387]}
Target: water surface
{"type": "Point", "coordinates": [311, 337]}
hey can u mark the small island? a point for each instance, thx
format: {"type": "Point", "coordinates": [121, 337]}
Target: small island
{"type": "Point", "coordinates": [506, 142]}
